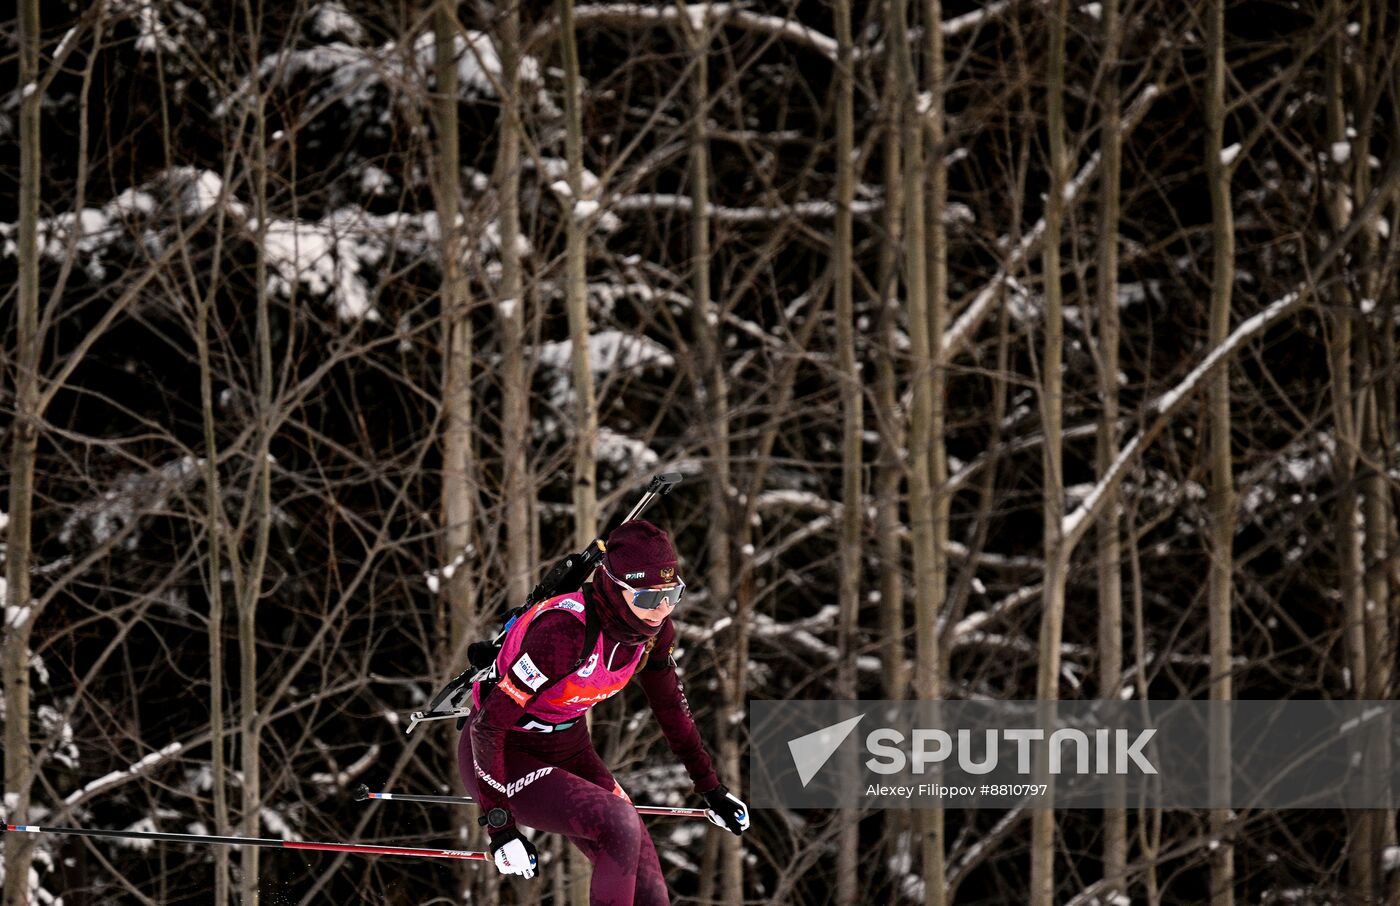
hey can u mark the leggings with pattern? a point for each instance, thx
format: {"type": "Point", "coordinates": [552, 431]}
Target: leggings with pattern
{"type": "Point", "coordinates": [573, 793]}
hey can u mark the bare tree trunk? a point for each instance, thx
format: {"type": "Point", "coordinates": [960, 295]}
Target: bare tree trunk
{"type": "Point", "coordinates": [511, 306]}
{"type": "Point", "coordinates": [930, 557]}
{"type": "Point", "coordinates": [1376, 408]}
{"type": "Point", "coordinates": [1222, 492]}
{"type": "Point", "coordinates": [459, 475]}
{"type": "Point", "coordinates": [576, 290]}
{"type": "Point", "coordinates": [18, 612]}
{"type": "Point", "coordinates": [928, 680]}
{"type": "Point", "coordinates": [1115, 845]}
{"type": "Point", "coordinates": [714, 404]}
{"type": "Point", "coordinates": [576, 285]}
{"type": "Point", "coordinates": [848, 593]}
{"type": "Point", "coordinates": [1339, 348]}
{"type": "Point", "coordinates": [1149, 823]}
{"type": "Point", "coordinates": [259, 512]}
{"type": "Point", "coordinates": [1361, 450]}
{"type": "Point", "coordinates": [1051, 401]}
{"type": "Point", "coordinates": [1382, 520]}
{"type": "Point", "coordinates": [890, 417]}
{"type": "Point", "coordinates": [890, 470]}
{"type": "Point", "coordinates": [214, 519]}
{"type": "Point", "coordinates": [459, 481]}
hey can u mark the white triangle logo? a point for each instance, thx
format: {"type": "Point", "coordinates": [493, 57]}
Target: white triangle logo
{"type": "Point", "coordinates": [812, 751]}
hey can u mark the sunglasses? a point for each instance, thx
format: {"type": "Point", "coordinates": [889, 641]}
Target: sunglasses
{"type": "Point", "coordinates": [651, 598]}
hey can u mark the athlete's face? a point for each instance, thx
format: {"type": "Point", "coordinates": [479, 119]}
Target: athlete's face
{"type": "Point", "coordinates": [653, 617]}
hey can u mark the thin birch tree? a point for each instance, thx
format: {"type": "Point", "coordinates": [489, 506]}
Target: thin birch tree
{"type": "Point", "coordinates": [929, 659]}
{"type": "Point", "coordinates": [585, 411]}
{"type": "Point", "coordinates": [256, 517]}
{"type": "Point", "coordinates": [510, 307]}
{"type": "Point", "coordinates": [18, 613]}
{"type": "Point", "coordinates": [852, 507]}
{"type": "Point", "coordinates": [890, 470]}
{"type": "Point", "coordinates": [459, 473]}
{"type": "Point", "coordinates": [1051, 403]}
{"type": "Point", "coordinates": [459, 468]}
{"type": "Point", "coordinates": [1109, 561]}
{"type": "Point", "coordinates": [1221, 493]}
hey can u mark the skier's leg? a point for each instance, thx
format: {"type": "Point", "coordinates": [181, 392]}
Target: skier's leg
{"type": "Point", "coordinates": [605, 827]}
{"type": "Point", "coordinates": [651, 883]}
{"type": "Point", "coordinates": [650, 888]}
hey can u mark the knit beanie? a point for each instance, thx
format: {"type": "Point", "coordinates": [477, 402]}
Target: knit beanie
{"type": "Point", "coordinates": [641, 555]}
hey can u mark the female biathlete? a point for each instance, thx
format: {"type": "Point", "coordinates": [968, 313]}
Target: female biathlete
{"type": "Point", "coordinates": [525, 754]}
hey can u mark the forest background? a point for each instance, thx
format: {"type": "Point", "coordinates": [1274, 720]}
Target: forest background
{"type": "Point", "coordinates": [329, 326]}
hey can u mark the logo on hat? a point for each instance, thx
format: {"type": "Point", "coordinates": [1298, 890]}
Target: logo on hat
{"type": "Point", "coordinates": [667, 573]}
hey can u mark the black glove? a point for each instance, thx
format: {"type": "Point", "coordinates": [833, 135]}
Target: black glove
{"type": "Point", "coordinates": [727, 810]}
{"type": "Point", "coordinates": [513, 854]}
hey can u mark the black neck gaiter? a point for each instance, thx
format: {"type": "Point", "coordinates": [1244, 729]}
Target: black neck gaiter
{"type": "Point", "coordinates": [617, 620]}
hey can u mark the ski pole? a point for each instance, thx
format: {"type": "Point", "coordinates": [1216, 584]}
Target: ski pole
{"type": "Point", "coordinates": [363, 792]}
{"type": "Point", "coordinates": [366, 849]}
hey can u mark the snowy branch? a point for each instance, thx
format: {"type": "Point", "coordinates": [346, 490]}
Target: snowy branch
{"type": "Point", "coordinates": [117, 778]}
{"type": "Point", "coordinates": [738, 16]}
{"type": "Point", "coordinates": [797, 636]}
{"type": "Point", "coordinates": [764, 214]}
{"type": "Point", "coordinates": [959, 335]}
{"type": "Point", "coordinates": [1075, 524]}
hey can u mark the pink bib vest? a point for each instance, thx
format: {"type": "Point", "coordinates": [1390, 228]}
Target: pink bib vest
{"type": "Point", "coordinates": [557, 700]}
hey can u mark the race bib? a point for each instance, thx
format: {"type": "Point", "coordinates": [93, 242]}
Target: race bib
{"type": "Point", "coordinates": [526, 671]}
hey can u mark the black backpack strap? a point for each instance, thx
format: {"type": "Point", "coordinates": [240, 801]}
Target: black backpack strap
{"type": "Point", "coordinates": [592, 627]}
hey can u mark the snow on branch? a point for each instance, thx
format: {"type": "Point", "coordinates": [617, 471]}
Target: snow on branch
{"type": "Point", "coordinates": [1075, 524]}
{"type": "Point", "coordinates": [959, 335]}
{"type": "Point", "coordinates": [764, 214]}
{"type": "Point", "coordinates": [135, 494]}
{"type": "Point", "coordinates": [797, 636]}
{"type": "Point", "coordinates": [116, 778]}
{"type": "Point", "coordinates": [350, 74]}
{"type": "Point", "coordinates": [796, 499]}
{"type": "Point", "coordinates": [974, 622]}
{"type": "Point", "coordinates": [698, 13]}
{"type": "Point", "coordinates": [609, 352]}
{"type": "Point", "coordinates": [739, 16]}
{"type": "Point", "coordinates": [1166, 406]}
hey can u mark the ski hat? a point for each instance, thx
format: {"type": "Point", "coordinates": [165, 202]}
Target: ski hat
{"type": "Point", "coordinates": [641, 555]}
{"type": "Point", "coordinates": [644, 552]}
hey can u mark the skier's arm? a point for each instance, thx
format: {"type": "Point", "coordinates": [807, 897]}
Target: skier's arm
{"type": "Point", "coordinates": [667, 698]}
{"type": "Point", "coordinates": [549, 650]}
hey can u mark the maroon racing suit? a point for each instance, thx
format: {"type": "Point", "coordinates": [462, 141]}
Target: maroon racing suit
{"type": "Point", "coordinates": [552, 779]}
